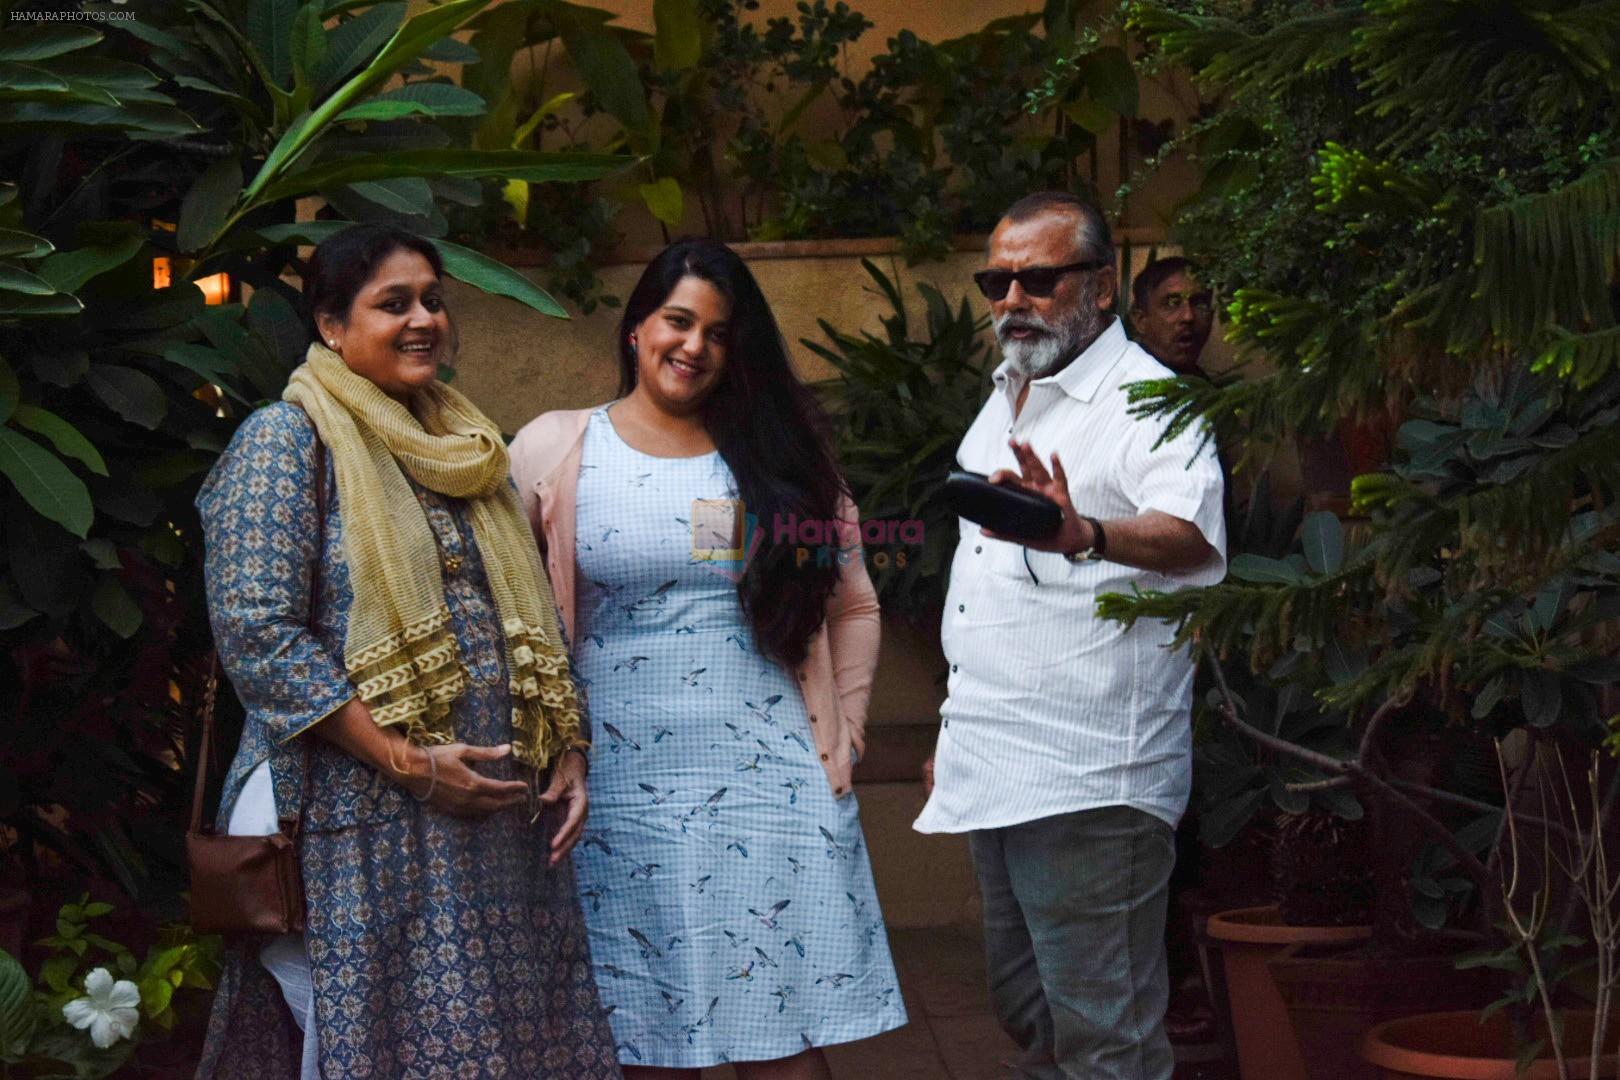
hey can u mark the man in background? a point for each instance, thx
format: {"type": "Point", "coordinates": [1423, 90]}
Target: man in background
{"type": "Point", "coordinates": [1172, 313]}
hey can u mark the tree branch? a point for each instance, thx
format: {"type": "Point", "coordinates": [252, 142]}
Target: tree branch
{"type": "Point", "coordinates": [1354, 772]}
{"type": "Point", "coordinates": [1320, 785]}
{"type": "Point", "coordinates": [1270, 742]}
{"type": "Point", "coordinates": [1369, 738]}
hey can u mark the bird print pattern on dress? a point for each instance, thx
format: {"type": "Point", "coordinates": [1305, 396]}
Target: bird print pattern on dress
{"type": "Point", "coordinates": [727, 891]}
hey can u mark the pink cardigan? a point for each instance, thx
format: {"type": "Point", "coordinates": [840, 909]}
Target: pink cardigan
{"type": "Point", "coordinates": [836, 675]}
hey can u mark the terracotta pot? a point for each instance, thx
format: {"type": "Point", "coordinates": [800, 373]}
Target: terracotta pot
{"type": "Point", "coordinates": [1333, 995]}
{"type": "Point", "coordinates": [13, 920]}
{"type": "Point", "coordinates": [1456, 1046]}
{"type": "Point", "coordinates": [1249, 938]}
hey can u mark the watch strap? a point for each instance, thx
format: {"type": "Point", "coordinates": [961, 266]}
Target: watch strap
{"type": "Point", "coordinates": [1099, 543]}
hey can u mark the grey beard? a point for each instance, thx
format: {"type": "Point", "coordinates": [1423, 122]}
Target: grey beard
{"type": "Point", "coordinates": [1056, 342]}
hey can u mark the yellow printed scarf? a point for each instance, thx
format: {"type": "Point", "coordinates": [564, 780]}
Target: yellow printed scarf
{"type": "Point", "coordinates": [401, 650]}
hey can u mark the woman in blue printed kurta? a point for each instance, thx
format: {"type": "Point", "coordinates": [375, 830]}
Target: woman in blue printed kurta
{"type": "Point", "coordinates": [439, 943]}
{"type": "Point", "coordinates": [731, 906]}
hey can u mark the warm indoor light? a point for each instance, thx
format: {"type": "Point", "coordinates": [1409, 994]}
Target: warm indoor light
{"type": "Point", "coordinates": [216, 288]}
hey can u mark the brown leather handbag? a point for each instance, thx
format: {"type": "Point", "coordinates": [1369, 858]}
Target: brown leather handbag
{"type": "Point", "coordinates": [249, 884]}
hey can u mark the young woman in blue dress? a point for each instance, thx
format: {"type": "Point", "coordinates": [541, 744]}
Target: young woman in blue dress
{"type": "Point", "coordinates": [706, 560]}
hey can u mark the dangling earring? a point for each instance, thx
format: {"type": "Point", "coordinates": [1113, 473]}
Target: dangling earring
{"type": "Point", "coordinates": [632, 342]}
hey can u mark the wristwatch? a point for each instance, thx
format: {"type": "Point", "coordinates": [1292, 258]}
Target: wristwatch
{"type": "Point", "coordinates": [1099, 543]}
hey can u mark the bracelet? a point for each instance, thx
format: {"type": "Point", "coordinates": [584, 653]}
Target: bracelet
{"type": "Point", "coordinates": [433, 777]}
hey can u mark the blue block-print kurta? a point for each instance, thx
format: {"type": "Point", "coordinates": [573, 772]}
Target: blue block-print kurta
{"type": "Point", "coordinates": [439, 947]}
{"type": "Point", "coordinates": [730, 901]}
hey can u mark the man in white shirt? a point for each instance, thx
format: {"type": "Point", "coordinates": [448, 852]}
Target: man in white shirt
{"type": "Point", "coordinates": [1065, 748]}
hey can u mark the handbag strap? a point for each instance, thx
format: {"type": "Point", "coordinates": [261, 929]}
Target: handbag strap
{"type": "Point", "coordinates": [211, 687]}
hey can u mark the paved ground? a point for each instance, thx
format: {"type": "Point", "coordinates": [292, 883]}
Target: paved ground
{"type": "Point", "coordinates": [952, 1034]}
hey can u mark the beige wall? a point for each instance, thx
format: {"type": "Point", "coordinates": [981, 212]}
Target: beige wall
{"type": "Point", "coordinates": [517, 363]}
{"type": "Point", "coordinates": [932, 22]}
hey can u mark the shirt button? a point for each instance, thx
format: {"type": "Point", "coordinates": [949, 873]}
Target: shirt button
{"type": "Point", "coordinates": [944, 723]}
{"type": "Point", "coordinates": [961, 607]}
{"type": "Point", "coordinates": [824, 757]}
{"type": "Point", "coordinates": [953, 667]}
{"type": "Point", "coordinates": [978, 549]}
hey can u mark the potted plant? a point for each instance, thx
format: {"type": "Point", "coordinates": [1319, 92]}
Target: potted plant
{"type": "Point", "coordinates": [899, 406]}
{"type": "Point", "coordinates": [1549, 911]}
{"type": "Point", "coordinates": [1377, 266]}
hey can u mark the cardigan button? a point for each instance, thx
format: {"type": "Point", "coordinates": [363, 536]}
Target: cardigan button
{"type": "Point", "coordinates": [812, 718]}
{"type": "Point", "coordinates": [825, 757]}
{"type": "Point", "coordinates": [838, 791]}
{"type": "Point", "coordinates": [803, 676]}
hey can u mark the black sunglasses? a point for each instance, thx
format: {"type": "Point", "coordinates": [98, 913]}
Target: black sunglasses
{"type": "Point", "coordinates": [1036, 281]}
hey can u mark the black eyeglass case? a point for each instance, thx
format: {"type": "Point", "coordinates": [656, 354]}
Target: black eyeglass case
{"type": "Point", "coordinates": [1007, 510]}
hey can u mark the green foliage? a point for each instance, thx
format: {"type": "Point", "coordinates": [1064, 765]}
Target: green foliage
{"type": "Point", "coordinates": [19, 1014]}
{"type": "Point", "coordinates": [187, 134]}
{"type": "Point", "coordinates": [899, 406]}
{"type": "Point", "coordinates": [33, 1031]}
{"type": "Point", "coordinates": [926, 144]}
{"type": "Point", "coordinates": [936, 134]}
{"type": "Point", "coordinates": [1414, 207]}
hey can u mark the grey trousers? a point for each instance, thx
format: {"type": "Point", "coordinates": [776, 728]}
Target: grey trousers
{"type": "Point", "coordinates": [1074, 911]}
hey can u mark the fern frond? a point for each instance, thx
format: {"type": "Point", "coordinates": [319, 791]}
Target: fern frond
{"type": "Point", "coordinates": [1541, 268]}
{"type": "Point", "coordinates": [1439, 638]}
{"type": "Point", "coordinates": [1325, 367]}
{"type": "Point", "coordinates": [1582, 359]}
{"type": "Point", "coordinates": [1222, 53]}
{"type": "Point", "coordinates": [1431, 62]}
{"type": "Point", "coordinates": [1350, 182]}
{"type": "Point", "coordinates": [1258, 621]}
{"type": "Point", "coordinates": [1545, 261]}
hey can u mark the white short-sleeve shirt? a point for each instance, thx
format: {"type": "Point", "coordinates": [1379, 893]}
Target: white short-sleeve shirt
{"type": "Point", "coordinates": [1050, 708]}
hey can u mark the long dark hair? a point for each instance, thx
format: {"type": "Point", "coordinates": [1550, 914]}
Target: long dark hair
{"type": "Point", "coordinates": [771, 432]}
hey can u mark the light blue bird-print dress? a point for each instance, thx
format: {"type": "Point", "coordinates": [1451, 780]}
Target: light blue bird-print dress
{"type": "Point", "coordinates": [727, 893]}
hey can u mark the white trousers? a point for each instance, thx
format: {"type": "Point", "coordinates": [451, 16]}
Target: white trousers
{"type": "Point", "coordinates": [286, 957]}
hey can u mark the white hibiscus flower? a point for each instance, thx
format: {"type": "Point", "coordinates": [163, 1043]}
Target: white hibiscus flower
{"type": "Point", "coordinates": [109, 1009]}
